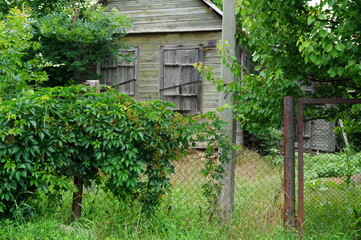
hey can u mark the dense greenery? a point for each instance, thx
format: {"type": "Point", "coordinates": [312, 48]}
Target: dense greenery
{"type": "Point", "coordinates": [305, 45]}
{"type": "Point", "coordinates": [342, 165]}
{"type": "Point", "coordinates": [79, 38]}
{"type": "Point", "coordinates": [40, 7]}
{"type": "Point", "coordinates": [71, 35]}
{"type": "Point", "coordinates": [316, 46]}
{"type": "Point", "coordinates": [256, 216]}
{"type": "Point", "coordinates": [297, 46]}
{"type": "Point", "coordinates": [15, 40]}
{"type": "Point", "coordinates": [52, 134]}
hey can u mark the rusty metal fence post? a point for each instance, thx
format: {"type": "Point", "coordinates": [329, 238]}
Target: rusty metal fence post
{"type": "Point", "coordinates": [289, 162]}
{"type": "Point", "coordinates": [300, 199]}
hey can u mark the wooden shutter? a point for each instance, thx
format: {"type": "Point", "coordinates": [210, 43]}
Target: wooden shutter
{"type": "Point", "coordinates": [122, 74]}
{"type": "Point", "coordinates": [180, 82]}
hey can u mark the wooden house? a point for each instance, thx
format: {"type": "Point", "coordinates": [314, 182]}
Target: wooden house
{"type": "Point", "coordinates": [168, 36]}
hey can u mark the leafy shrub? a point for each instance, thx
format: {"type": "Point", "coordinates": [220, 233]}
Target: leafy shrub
{"type": "Point", "coordinates": [79, 36]}
{"type": "Point", "coordinates": [344, 165]}
{"type": "Point", "coordinates": [50, 135]}
{"type": "Point", "coordinates": [15, 40]}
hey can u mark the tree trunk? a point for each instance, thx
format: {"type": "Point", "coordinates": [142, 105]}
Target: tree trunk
{"type": "Point", "coordinates": [77, 198]}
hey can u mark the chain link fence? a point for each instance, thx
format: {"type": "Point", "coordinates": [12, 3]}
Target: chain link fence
{"type": "Point", "coordinates": [332, 168]}
{"type": "Point", "coordinates": [257, 201]}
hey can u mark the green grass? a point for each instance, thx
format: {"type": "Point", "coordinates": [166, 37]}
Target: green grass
{"type": "Point", "coordinates": [183, 214]}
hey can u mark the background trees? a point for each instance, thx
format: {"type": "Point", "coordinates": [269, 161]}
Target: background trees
{"type": "Point", "coordinates": [70, 36]}
{"type": "Point", "coordinates": [18, 70]}
{"type": "Point", "coordinates": [79, 38]}
{"type": "Point", "coordinates": [296, 45]}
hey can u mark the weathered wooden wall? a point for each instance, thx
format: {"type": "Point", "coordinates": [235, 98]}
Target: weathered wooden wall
{"type": "Point", "coordinates": [149, 62]}
{"type": "Point", "coordinates": [165, 23]}
{"type": "Point", "coordinates": [168, 16]}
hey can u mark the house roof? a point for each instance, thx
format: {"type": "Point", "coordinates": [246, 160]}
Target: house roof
{"type": "Point", "coordinates": [213, 7]}
{"type": "Point", "coordinates": [157, 16]}
{"type": "Point", "coordinates": [207, 2]}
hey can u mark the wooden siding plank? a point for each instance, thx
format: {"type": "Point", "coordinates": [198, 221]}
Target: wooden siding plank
{"type": "Point", "coordinates": [168, 15]}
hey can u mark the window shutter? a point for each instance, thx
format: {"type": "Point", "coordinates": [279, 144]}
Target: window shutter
{"type": "Point", "coordinates": [122, 74]}
{"type": "Point", "coordinates": [180, 82]}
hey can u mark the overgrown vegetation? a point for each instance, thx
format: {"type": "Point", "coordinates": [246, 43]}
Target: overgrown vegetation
{"type": "Point", "coordinates": [184, 220]}
{"type": "Point", "coordinates": [341, 165]}
{"type": "Point", "coordinates": [71, 37]}
{"type": "Point", "coordinates": [53, 134]}
{"type": "Point", "coordinates": [17, 70]}
{"type": "Point", "coordinates": [77, 37]}
{"type": "Point", "coordinates": [296, 45]}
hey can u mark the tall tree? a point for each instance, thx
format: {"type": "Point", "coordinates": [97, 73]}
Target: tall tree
{"type": "Point", "coordinates": [295, 45]}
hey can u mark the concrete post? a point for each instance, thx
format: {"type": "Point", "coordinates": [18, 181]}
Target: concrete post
{"type": "Point", "coordinates": [226, 198]}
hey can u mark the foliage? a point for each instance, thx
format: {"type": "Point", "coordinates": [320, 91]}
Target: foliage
{"type": "Point", "coordinates": [56, 133]}
{"type": "Point", "coordinates": [253, 103]}
{"type": "Point", "coordinates": [218, 3]}
{"type": "Point", "coordinates": [77, 38]}
{"type": "Point", "coordinates": [351, 119]}
{"type": "Point", "coordinates": [15, 41]}
{"type": "Point", "coordinates": [209, 128]}
{"type": "Point", "coordinates": [296, 45]}
{"type": "Point", "coordinates": [313, 46]}
{"type": "Point", "coordinates": [39, 7]}
{"type": "Point", "coordinates": [73, 35]}
{"type": "Point", "coordinates": [305, 44]}
{"type": "Point", "coordinates": [183, 221]}
{"type": "Point", "coordinates": [341, 165]}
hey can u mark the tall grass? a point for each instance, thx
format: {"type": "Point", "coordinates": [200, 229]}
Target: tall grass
{"type": "Point", "coordinates": [183, 213]}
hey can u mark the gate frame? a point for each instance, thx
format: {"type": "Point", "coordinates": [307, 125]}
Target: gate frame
{"type": "Point", "coordinates": [290, 219]}
{"type": "Point", "coordinates": [301, 103]}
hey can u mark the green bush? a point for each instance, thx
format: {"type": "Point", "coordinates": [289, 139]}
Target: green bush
{"type": "Point", "coordinates": [15, 40]}
{"type": "Point", "coordinates": [50, 135]}
{"type": "Point", "coordinates": [342, 165]}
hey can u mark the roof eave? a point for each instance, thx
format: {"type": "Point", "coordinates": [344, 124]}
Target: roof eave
{"type": "Point", "coordinates": [213, 7]}
{"type": "Point", "coordinates": [130, 32]}
{"type": "Point", "coordinates": [208, 2]}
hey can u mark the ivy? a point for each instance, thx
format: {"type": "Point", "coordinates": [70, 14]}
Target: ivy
{"type": "Point", "coordinates": [54, 134]}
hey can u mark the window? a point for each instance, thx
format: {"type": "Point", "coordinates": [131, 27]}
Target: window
{"type": "Point", "coordinates": [179, 82]}
{"type": "Point", "coordinates": [122, 74]}
{"type": "Point", "coordinates": [247, 63]}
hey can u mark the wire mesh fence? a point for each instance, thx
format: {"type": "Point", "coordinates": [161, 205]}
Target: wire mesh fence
{"type": "Point", "coordinates": [258, 190]}
{"type": "Point", "coordinates": [332, 167]}
{"type": "Point", "coordinates": [258, 197]}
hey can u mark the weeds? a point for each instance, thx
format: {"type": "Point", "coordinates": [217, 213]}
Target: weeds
{"type": "Point", "coordinates": [183, 213]}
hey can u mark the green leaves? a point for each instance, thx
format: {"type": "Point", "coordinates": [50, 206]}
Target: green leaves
{"type": "Point", "coordinates": [17, 71]}
{"type": "Point", "coordinates": [77, 37]}
{"type": "Point", "coordinates": [74, 131]}
{"type": "Point", "coordinates": [307, 43]}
